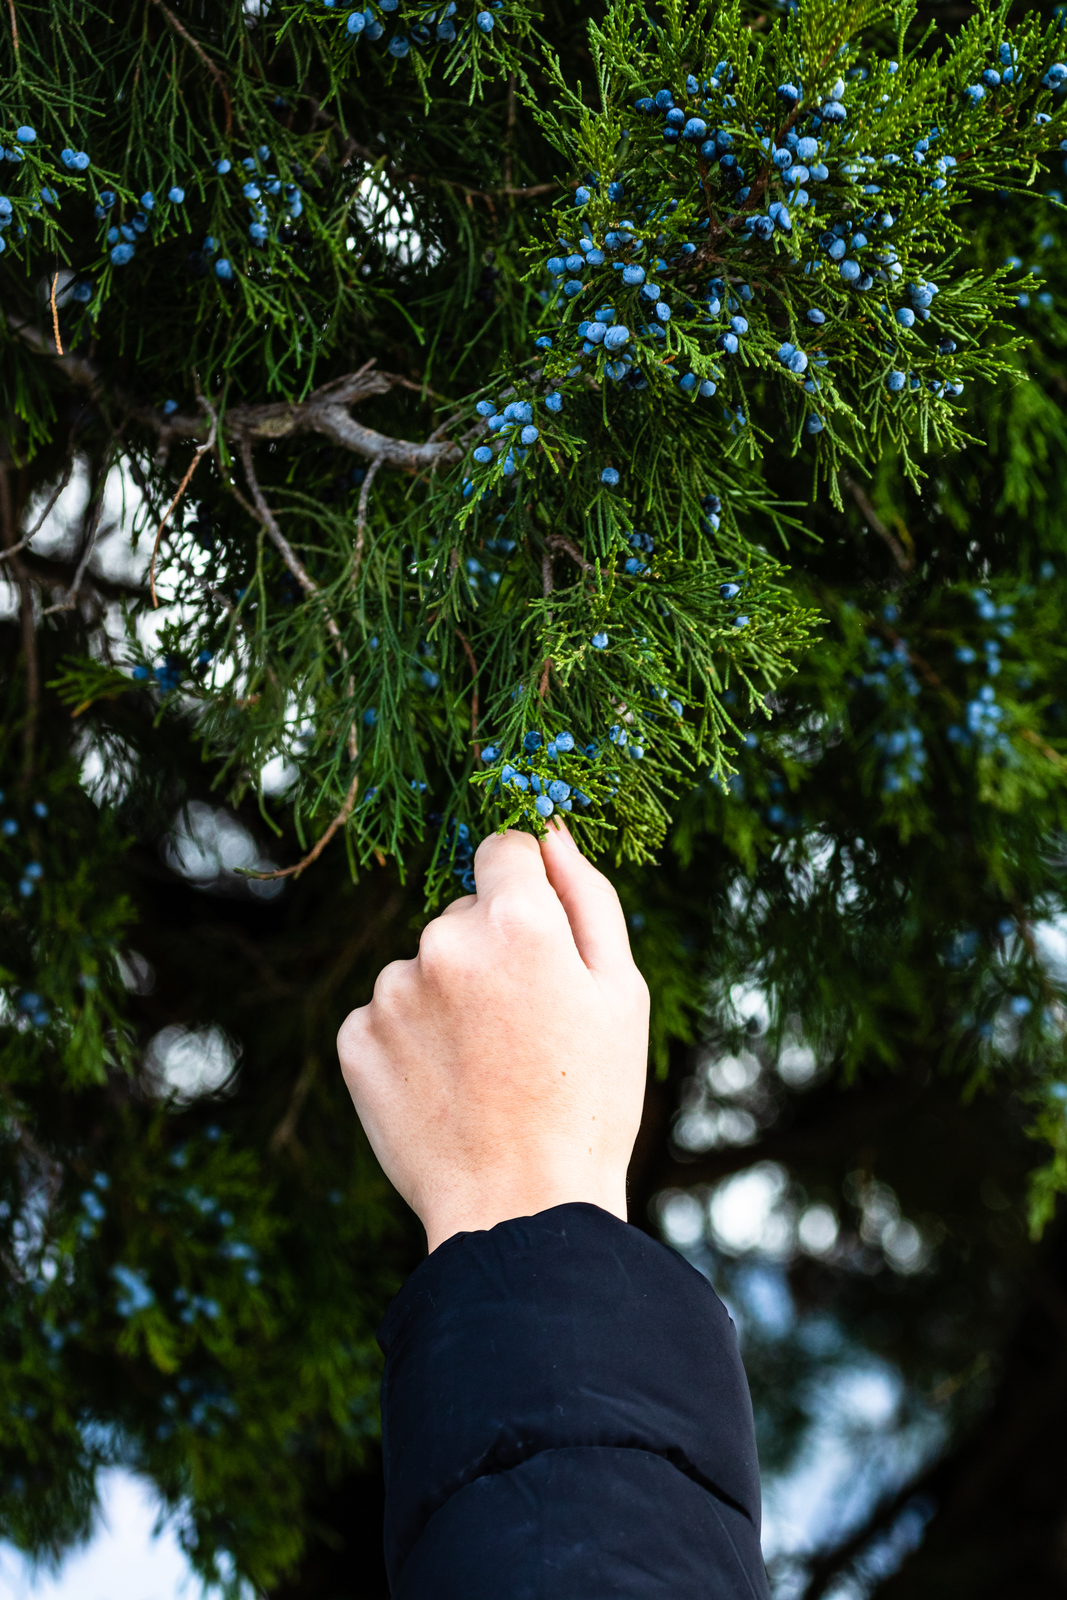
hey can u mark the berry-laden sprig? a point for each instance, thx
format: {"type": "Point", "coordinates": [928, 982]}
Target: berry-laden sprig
{"type": "Point", "coordinates": [234, 220]}
{"type": "Point", "coordinates": [779, 230]}
{"type": "Point", "coordinates": [455, 41]}
{"type": "Point", "coordinates": [644, 660]}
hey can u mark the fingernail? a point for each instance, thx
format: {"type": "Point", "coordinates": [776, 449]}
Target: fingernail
{"type": "Point", "coordinates": [564, 832]}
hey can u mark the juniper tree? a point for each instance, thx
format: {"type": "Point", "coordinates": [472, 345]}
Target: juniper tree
{"type": "Point", "coordinates": [505, 404]}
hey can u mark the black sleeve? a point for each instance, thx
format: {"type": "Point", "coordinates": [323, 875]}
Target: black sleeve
{"type": "Point", "coordinates": [565, 1417]}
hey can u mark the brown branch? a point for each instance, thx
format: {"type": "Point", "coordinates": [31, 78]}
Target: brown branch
{"type": "Point", "coordinates": [542, 687]}
{"type": "Point", "coordinates": [474, 692]}
{"type": "Point", "coordinates": [184, 566]}
{"type": "Point", "coordinates": [26, 619]}
{"type": "Point", "coordinates": [559, 541]}
{"type": "Point", "coordinates": [509, 137]}
{"type": "Point", "coordinates": [204, 57]}
{"type": "Point", "coordinates": [71, 600]}
{"type": "Point", "coordinates": [1046, 749]}
{"type": "Point", "coordinates": [265, 515]}
{"type": "Point", "coordinates": [324, 412]}
{"type": "Point", "coordinates": [361, 518]}
{"type": "Point", "coordinates": [509, 191]}
{"type": "Point", "coordinates": [55, 317]}
{"type": "Point", "coordinates": [285, 1131]}
{"type": "Point", "coordinates": [14, 27]}
{"type": "Point", "coordinates": [317, 849]}
{"type": "Point", "coordinates": [874, 521]}
{"type": "Point", "coordinates": [5, 555]}
{"type": "Point", "coordinates": [201, 452]}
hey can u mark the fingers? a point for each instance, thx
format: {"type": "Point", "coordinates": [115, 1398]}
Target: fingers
{"type": "Point", "coordinates": [508, 862]}
{"type": "Point", "coordinates": [463, 902]}
{"type": "Point", "coordinates": [592, 906]}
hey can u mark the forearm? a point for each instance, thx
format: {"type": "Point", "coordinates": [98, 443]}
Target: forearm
{"type": "Point", "coordinates": [563, 1398]}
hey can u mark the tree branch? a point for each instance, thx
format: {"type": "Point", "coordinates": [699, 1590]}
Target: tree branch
{"type": "Point", "coordinates": [559, 541]}
{"type": "Point", "coordinates": [5, 555]}
{"type": "Point", "coordinates": [317, 849]}
{"type": "Point", "coordinates": [266, 516]}
{"type": "Point", "coordinates": [875, 523]}
{"type": "Point", "coordinates": [474, 692]}
{"type": "Point", "coordinates": [307, 583]}
{"type": "Point", "coordinates": [324, 412]}
{"type": "Point", "coordinates": [26, 618]}
{"type": "Point", "coordinates": [173, 22]}
{"type": "Point", "coordinates": [361, 517]}
{"type": "Point", "coordinates": [201, 452]}
{"type": "Point", "coordinates": [55, 317]}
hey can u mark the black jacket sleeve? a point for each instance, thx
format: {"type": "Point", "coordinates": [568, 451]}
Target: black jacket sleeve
{"type": "Point", "coordinates": [565, 1417]}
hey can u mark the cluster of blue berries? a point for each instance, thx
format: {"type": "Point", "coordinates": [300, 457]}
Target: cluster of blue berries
{"type": "Point", "coordinates": [367, 24]}
{"type": "Point", "coordinates": [458, 844]}
{"type": "Point", "coordinates": [514, 432]}
{"type": "Point", "coordinates": [817, 147]}
{"type": "Point", "coordinates": [259, 187]}
{"type": "Point", "coordinates": [992, 79]}
{"type": "Point", "coordinates": [897, 380]}
{"type": "Point", "coordinates": [983, 724]}
{"type": "Point", "coordinates": [518, 773]}
{"type": "Point", "coordinates": [1055, 78]}
{"type": "Point", "coordinates": [32, 1007]}
{"type": "Point", "coordinates": [903, 752]}
{"type": "Point", "coordinates": [1001, 615]}
{"type": "Point", "coordinates": [775, 815]}
{"type": "Point", "coordinates": [168, 674]}
{"type": "Point", "coordinates": [889, 666]}
{"type": "Point", "coordinates": [32, 872]}
{"type": "Point", "coordinates": [983, 715]}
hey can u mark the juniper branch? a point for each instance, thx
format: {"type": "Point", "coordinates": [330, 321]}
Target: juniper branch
{"type": "Point", "coordinates": [198, 50]}
{"type": "Point", "coordinates": [324, 412]}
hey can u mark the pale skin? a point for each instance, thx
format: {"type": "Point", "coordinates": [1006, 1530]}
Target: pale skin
{"type": "Point", "coordinates": [502, 1071]}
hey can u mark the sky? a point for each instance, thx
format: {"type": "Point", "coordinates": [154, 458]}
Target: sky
{"type": "Point", "coordinates": [122, 1561]}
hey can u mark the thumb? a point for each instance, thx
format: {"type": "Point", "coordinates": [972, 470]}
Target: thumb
{"type": "Point", "coordinates": [592, 906]}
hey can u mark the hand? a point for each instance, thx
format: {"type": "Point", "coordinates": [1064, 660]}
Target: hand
{"type": "Point", "coordinates": [502, 1071]}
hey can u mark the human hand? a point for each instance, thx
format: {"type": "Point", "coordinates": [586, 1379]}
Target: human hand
{"type": "Point", "coordinates": [502, 1071]}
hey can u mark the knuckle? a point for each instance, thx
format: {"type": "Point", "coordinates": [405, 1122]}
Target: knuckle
{"type": "Point", "coordinates": [519, 914]}
{"type": "Point", "coordinates": [350, 1034]}
{"type": "Point", "coordinates": [436, 944]}
{"type": "Point", "coordinates": [639, 984]}
{"type": "Point", "coordinates": [390, 984]}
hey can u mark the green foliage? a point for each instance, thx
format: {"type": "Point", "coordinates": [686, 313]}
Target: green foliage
{"type": "Point", "coordinates": [853, 810]}
{"type": "Point", "coordinates": [484, 583]}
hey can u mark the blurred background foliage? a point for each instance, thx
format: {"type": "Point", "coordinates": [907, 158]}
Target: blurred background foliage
{"type": "Point", "coordinates": [858, 955]}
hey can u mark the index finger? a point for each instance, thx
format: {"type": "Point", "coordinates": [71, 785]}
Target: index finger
{"type": "Point", "coordinates": [507, 862]}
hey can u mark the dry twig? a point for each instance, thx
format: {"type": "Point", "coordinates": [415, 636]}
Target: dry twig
{"type": "Point", "coordinates": [5, 555]}
{"type": "Point", "coordinates": [320, 845]}
{"type": "Point", "coordinates": [559, 541]}
{"type": "Point", "coordinates": [55, 317]}
{"type": "Point", "coordinates": [361, 517]}
{"type": "Point", "coordinates": [474, 691]}
{"type": "Point", "coordinates": [204, 57]}
{"type": "Point", "coordinates": [26, 619]}
{"type": "Point", "coordinates": [874, 521]}
{"type": "Point", "coordinates": [201, 452]}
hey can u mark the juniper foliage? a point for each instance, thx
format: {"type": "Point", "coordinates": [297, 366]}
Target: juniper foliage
{"type": "Point", "coordinates": [381, 626]}
{"type": "Point", "coordinates": [860, 789]}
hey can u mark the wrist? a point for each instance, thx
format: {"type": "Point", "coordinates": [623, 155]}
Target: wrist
{"type": "Point", "coordinates": [483, 1206]}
